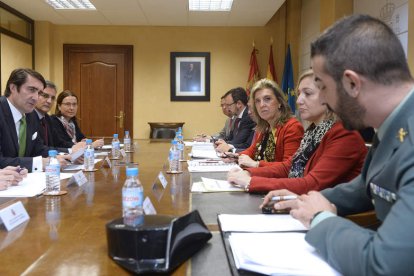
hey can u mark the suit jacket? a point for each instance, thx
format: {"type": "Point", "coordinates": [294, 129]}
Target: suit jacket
{"type": "Point", "coordinates": [387, 180]}
{"type": "Point", "coordinates": [338, 158]}
{"type": "Point", "coordinates": [62, 138]}
{"type": "Point", "coordinates": [51, 136]}
{"type": "Point", "coordinates": [9, 146]}
{"type": "Point", "coordinates": [288, 137]}
{"type": "Point", "coordinates": [240, 137]}
{"type": "Point", "coordinates": [225, 132]}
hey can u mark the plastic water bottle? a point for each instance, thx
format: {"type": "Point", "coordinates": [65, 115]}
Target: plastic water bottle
{"type": "Point", "coordinates": [174, 157]}
{"type": "Point", "coordinates": [127, 141]}
{"type": "Point", "coordinates": [180, 147]}
{"type": "Point", "coordinates": [116, 147]}
{"type": "Point", "coordinates": [52, 174]}
{"type": "Point", "coordinates": [89, 156]}
{"type": "Point", "coordinates": [132, 198]}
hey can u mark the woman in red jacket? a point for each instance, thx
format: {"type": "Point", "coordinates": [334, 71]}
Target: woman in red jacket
{"type": "Point", "coordinates": [278, 134]}
{"type": "Point", "coordinates": [328, 154]}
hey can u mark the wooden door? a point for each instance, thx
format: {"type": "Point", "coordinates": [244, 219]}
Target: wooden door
{"type": "Point", "coordinates": [101, 76]}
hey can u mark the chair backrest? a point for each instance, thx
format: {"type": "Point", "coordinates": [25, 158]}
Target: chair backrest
{"type": "Point", "coordinates": [163, 133]}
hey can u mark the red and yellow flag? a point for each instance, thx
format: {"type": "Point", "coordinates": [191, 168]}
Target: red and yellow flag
{"type": "Point", "coordinates": [253, 72]}
{"type": "Point", "coordinates": [271, 72]}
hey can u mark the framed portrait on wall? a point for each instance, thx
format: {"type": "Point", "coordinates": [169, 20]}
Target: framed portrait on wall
{"type": "Point", "coordinates": [190, 76]}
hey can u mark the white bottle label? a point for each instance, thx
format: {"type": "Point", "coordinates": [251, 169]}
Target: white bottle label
{"type": "Point", "coordinates": [52, 170]}
{"type": "Point", "coordinates": [132, 198]}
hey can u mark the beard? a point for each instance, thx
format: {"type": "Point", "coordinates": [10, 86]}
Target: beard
{"type": "Point", "coordinates": [349, 111]}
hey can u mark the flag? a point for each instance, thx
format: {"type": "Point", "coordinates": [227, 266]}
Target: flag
{"type": "Point", "coordinates": [271, 73]}
{"type": "Point", "coordinates": [253, 72]}
{"type": "Point", "coordinates": [287, 82]}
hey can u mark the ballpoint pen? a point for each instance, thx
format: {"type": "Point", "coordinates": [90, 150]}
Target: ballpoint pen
{"type": "Point", "coordinates": [286, 197]}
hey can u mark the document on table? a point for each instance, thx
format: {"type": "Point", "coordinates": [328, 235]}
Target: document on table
{"type": "Point", "coordinates": [204, 151]}
{"type": "Point", "coordinates": [259, 223]}
{"type": "Point", "coordinates": [208, 165]}
{"type": "Point", "coordinates": [209, 185]}
{"type": "Point", "coordinates": [33, 185]}
{"type": "Point", "coordinates": [195, 143]}
{"type": "Point", "coordinates": [110, 146]}
{"type": "Point", "coordinates": [78, 167]}
{"type": "Point", "coordinates": [277, 254]}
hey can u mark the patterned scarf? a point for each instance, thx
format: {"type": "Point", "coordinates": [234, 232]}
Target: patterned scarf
{"type": "Point", "coordinates": [308, 145]}
{"type": "Point", "coordinates": [69, 127]}
{"type": "Point", "coordinates": [265, 149]}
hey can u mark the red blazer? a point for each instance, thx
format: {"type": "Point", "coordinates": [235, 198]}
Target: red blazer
{"type": "Point", "coordinates": [338, 158]}
{"type": "Point", "coordinates": [288, 140]}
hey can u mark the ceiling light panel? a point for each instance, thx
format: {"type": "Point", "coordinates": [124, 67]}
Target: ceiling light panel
{"type": "Point", "coordinates": [210, 5]}
{"type": "Point", "coordinates": [71, 4]}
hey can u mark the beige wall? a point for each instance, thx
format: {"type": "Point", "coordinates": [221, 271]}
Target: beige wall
{"type": "Point", "coordinates": [14, 54]}
{"type": "Point", "coordinates": [230, 50]}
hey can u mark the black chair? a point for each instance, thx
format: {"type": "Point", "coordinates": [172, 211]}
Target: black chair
{"type": "Point", "coordinates": [164, 130]}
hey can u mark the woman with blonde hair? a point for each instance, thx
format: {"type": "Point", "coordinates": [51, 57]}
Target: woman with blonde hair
{"type": "Point", "coordinates": [328, 153]}
{"type": "Point", "coordinates": [278, 133]}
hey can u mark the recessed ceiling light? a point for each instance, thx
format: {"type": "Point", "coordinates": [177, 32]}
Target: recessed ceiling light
{"type": "Point", "coordinates": [71, 4]}
{"type": "Point", "coordinates": [210, 5]}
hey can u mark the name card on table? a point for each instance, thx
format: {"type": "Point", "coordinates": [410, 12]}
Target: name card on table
{"type": "Point", "coordinates": [148, 207]}
{"type": "Point", "coordinates": [13, 215]}
{"type": "Point", "coordinates": [78, 178]}
{"type": "Point", "coordinates": [162, 179]}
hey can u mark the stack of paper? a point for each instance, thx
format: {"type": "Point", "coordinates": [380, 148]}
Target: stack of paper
{"type": "Point", "coordinates": [33, 185]}
{"type": "Point", "coordinates": [277, 254]}
{"type": "Point", "coordinates": [262, 243]}
{"type": "Point", "coordinates": [208, 165]}
{"type": "Point", "coordinates": [78, 167]}
{"type": "Point", "coordinates": [205, 150]}
{"type": "Point", "coordinates": [213, 185]}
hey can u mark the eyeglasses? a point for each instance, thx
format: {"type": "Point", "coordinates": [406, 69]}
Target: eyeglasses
{"type": "Point", "coordinates": [228, 105]}
{"type": "Point", "coordinates": [70, 104]}
{"type": "Point", "coordinates": [46, 96]}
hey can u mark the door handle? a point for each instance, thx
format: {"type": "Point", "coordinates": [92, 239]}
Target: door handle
{"type": "Point", "coordinates": [121, 118]}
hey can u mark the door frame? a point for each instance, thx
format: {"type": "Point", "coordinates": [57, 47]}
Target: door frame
{"type": "Point", "coordinates": [127, 51]}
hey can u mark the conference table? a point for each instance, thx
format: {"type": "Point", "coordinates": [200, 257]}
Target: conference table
{"type": "Point", "coordinates": [66, 235]}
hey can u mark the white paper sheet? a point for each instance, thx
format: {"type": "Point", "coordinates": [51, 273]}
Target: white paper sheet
{"type": "Point", "coordinates": [77, 167]}
{"type": "Point", "coordinates": [33, 185]}
{"type": "Point", "coordinates": [208, 165]}
{"type": "Point", "coordinates": [259, 223]}
{"type": "Point", "coordinates": [205, 150]}
{"type": "Point", "coordinates": [277, 254]}
{"type": "Point", "coordinates": [110, 146]}
{"type": "Point", "coordinates": [213, 185]}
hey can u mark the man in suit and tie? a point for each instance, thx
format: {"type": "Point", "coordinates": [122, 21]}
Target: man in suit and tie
{"type": "Point", "coordinates": [360, 66]}
{"type": "Point", "coordinates": [243, 127]}
{"type": "Point", "coordinates": [20, 142]}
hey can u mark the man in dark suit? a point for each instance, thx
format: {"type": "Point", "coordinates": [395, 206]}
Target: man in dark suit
{"type": "Point", "coordinates": [240, 136]}
{"type": "Point", "coordinates": [20, 142]}
{"type": "Point", "coordinates": [361, 68]}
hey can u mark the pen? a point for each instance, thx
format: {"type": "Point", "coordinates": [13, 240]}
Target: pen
{"type": "Point", "coordinates": [286, 197]}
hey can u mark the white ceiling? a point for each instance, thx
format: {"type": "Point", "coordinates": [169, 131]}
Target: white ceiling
{"type": "Point", "coordinates": [150, 13]}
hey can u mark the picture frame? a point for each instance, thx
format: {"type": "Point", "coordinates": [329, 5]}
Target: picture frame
{"type": "Point", "coordinates": [190, 76]}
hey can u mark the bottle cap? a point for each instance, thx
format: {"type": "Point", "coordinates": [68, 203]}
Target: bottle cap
{"type": "Point", "coordinates": [116, 135]}
{"type": "Point", "coordinates": [88, 141]}
{"type": "Point", "coordinates": [132, 171]}
{"type": "Point", "coordinates": [52, 153]}
{"type": "Point", "coordinates": [174, 142]}
{"type": "Point", "coordinates": [180, 136]}
{"type": "Point", "coordinates": [126, 132]}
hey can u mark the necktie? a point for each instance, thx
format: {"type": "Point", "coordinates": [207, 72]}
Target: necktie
{"type": "Point", "coordinates": [236, 126]}
{"type": "Point", "coordinates": [44, 125]}
{"type": "Point", "coordinates": [22, 136]}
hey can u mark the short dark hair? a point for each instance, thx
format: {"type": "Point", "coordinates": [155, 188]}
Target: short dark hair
{"type": "Point", "coordinates": [51, 85]}
{"type": "Point", "coordinates": [365, 45]}
{"type": "Point", "coordinates": [239, 94]}
{"type": "Point", "coordinates": [61, 97]}
{"type": "Point", "coordinates": [19, 76]}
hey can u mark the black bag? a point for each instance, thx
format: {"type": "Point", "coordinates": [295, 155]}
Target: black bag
{"type": "Point", "coordinates": [159, 244]}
